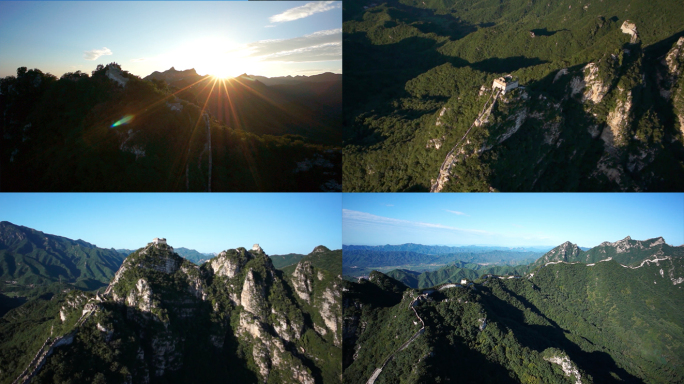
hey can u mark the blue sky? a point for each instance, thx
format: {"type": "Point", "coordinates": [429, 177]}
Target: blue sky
{"type": "Point", "coordinates": [509, 219]}
{"type": "Point", "coordinates": [281, 223]}
{"type": "Point", "coordinates": [267, 38]}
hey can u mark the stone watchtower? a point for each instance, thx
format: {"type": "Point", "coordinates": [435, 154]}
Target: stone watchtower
{"type": "Point", "coordinates": [159, 241]}
{"type": "Point", "coordinates": [505, 83]}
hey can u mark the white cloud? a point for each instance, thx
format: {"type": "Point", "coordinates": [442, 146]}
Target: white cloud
{"type": "Point", "coordinates": [96, 53]}
{"type": "Point", "coordinates": [319, 46]}
{"type": "Point", "coordinates": [349, 217]}
{"type": "Point", "coordinates": [456, 212]}
{"type": "Point", "coordinates": [305, 10]}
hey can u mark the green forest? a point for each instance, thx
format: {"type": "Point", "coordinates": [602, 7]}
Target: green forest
{"type": "Point", "coordinates": [609, 324]}
{"type": "Point", "coordinates": [418, 74]}
{"type": "Point", "coordinates": [164, 319]}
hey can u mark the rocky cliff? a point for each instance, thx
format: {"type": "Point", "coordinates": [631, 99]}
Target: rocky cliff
{"type": "Point", "coordinates": [164, 319]}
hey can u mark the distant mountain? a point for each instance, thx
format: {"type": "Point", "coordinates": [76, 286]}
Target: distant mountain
{"type": "Point", "coordinates": [322, 258]}
{"type": "Point", "coordinates": [281, 261]}
{"type": "Point", "coordinates": [173, 75]}
{"type": "Point", "coordinates": [193, 255]}
{"type": "Point", "coordinates": [627, 252]}
{"type": "Point", "coordinates": [164, 319]}
{"type": "Point", "coordinates": [441, 249]}
{"type": "Point", "coordinates": [311, 107]}
{"type": "Point", "coordinates": [378, 258]}
{"type": "Point", "coordinates": [29, 258]}
{"type": "Point", "coordinates": [320, 78]}
{"type": "Point", "coordinates": [454, 274]}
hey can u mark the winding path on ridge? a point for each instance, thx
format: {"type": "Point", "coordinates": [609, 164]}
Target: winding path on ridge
{"type": "Point", "coordinates": [443, 175]}
{"type": "Point", "coordinates": [389, 358]}
{"type": "Point", "coordinates": [50, 344]}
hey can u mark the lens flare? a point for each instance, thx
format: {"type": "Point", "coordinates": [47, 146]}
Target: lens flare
{"type": "Point", "coordinates": [125, 120]}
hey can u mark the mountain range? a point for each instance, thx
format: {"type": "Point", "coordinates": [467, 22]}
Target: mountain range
{"type": "Point", "coordinates": [30, 258]}
{"type": "Point", "coordinates": [361, 260]}
{"type": "Point", "coordinates": [113, 131]}
{"type": "Point", "coordinates": [627, 252]}
{"type": "Point", "coordinates": [576, 317]}
{"type": "Point", "coordinates": [595, 100]}
{"type": "Point", "coordinates": [301, 105]}
{"type": "Point", "coordinates": [164, 319]}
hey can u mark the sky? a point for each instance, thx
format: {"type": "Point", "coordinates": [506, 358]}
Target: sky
{"type": "Point", "coordinates": [281, 223]}
{"type": "Point", "coordinates": [510, 219]}
{"type": "Point", "coordinates": [222, 38]}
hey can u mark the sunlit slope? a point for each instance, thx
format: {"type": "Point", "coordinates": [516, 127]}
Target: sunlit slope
{"type": "Point", "coordinates": [30, 258]}
{"type": "Point", "coordinates": [415, 71]}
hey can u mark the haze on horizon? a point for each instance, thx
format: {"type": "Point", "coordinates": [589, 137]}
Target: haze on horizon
{"type": "Point", "coordinates": [510, 220]}
{"type": "Point", "coordinates": [226, 39]}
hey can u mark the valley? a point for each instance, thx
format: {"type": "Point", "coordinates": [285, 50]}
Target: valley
{"type": "Point", "coordinates": [157, 317]}
{"type": "Point", "coordinates": [596, 107]}
{"type": "Point", "coordinates": [602, 315]}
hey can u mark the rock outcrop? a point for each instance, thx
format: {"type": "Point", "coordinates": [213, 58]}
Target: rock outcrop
{"type": "Point", "coordinates": [630, 29]}
{"type": "Point", "coordinates": [115, 74]}
{"type": "Point", "coordinates": [230, 263]}
{"type": "Point", "coordinates": [243, 302]}
{"type": "Point", "coordinates": [252, 294]}
{"type": "Point", "coordinates": [302, 280]}
{"type": "Point", "coordinates": [320, 249]}
{"type": "Point", "coordinates": [618, 120]}
{"type": "Point", "coordinates": [595, 89]}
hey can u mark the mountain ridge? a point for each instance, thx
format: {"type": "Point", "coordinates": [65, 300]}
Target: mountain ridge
{"type": "Point", "coordinates": [170, 319]}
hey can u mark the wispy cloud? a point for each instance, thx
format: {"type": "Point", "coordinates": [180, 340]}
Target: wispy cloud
{"type": "Point", "coordinates": [456, 212]}
{"type": "Point", "coordinates": [351, 217]}
{"type": "Point", "coordinates": [388, 205]}
{"type": "Point", "coordinates": [96, 53]}
{"type": "Point", "coordinates": [319, 46]}
{"type": "Point", "coordinates": [305, 10]}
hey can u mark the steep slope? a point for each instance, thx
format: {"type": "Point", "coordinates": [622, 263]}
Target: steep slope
{"type": "Point", "coordinates": [598, 111]}
{"type": "Point", "coordinates": [113, 131]}
{"type": "Point", "coordinates": [30, 258]}
{"type": "Point", "coordinates": [281, 261]}
{"type": "Point", "coordinates": [549, 327]}
{"type": "Point", "coordinates": [164, 319]}
{"type": "Point", "coordinates": [322, 258]}
{"type": "Point", "coordinates": [567, 252]}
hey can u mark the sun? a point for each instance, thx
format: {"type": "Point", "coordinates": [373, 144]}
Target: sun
{"type": "Point", "coordinates": [225, 67]}
{"type": "Point", "coordinates": [218, 57]}
{"type": "Point", "coordinates": [221, 75]}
